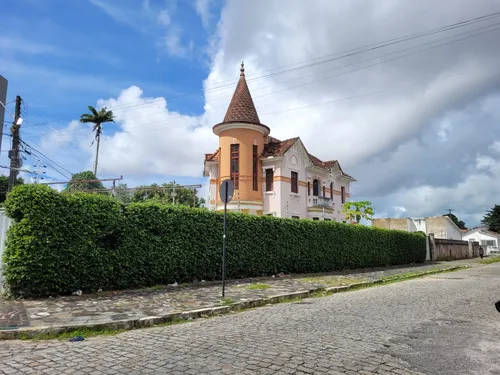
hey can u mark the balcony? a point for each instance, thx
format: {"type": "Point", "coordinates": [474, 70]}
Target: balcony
{"type": "Point", "coordinates": [320, 202]}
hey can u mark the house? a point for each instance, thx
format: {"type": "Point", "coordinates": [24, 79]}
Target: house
{"type": "Point", "coordinates": [442, 226]}
{"type": "Point", "coordinates": [271, 176]}
{"type": "Point", "coordinates": [487, 239]}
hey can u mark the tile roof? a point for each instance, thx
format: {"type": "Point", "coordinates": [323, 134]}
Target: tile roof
{"type": "Point", "coordinates": [241, 108]}
{"type": "Point", "coordinates": [212, 157]}
{"type": "Point", "coordinates": [275, 147]}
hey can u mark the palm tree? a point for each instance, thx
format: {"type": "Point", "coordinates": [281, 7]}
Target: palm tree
{"type": "Point", "coordinates": [97, 118]}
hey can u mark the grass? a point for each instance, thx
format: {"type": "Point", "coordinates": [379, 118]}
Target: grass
{"type": "Point", "coordinates": [490, 260]}
{"type": "Point", "coordinates": [331, 281]}
{"type": "Point", "coordinates": [92, 332]}
{"type": "Point", "coordinates": [226, 301]}
{"type": "Point", "coordinates": [258, 286]}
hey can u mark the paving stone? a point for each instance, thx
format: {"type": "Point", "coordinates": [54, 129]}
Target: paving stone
{"type": "Point", "coordinates": [373, 331]}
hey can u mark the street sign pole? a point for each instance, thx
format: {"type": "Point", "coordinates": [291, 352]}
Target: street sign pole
{"type": "Point", "coordinates": [224, 247]}
{"type": "Point", "coordinates": [226, 194]}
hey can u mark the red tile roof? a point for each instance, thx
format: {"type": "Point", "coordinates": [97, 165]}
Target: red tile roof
{"type": "Point", "coordinates": [212, 157]}
{"type": "Point", "coordinates": [275, 147]}
{"type": "Point", "coordinates": [241, 108]}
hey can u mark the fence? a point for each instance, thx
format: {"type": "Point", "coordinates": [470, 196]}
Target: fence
{"type": "Point", "coordinates": [446, 249]}
{"type": "Point", "coordinates": [4, 226]}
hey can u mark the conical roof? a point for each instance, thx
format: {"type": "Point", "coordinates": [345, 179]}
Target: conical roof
{"type": "Point", "coordinates": [241, 108]}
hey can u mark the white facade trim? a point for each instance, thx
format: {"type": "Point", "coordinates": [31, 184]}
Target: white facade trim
{"type": "Point", "coordinates": [223, 127]}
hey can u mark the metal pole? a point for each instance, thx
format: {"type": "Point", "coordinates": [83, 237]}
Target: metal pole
{"type": "Point", "coordinates": [224, 247]}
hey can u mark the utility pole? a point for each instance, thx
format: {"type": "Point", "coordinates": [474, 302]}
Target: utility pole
{"type": "Point", "coordinates": [174, 194]}
{"type": "Point", "coordinates": [450, 209]}
{"type": "Point", "coordinates": [14, 153]}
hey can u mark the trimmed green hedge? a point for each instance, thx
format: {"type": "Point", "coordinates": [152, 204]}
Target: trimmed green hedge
{"type": "Point", "coordinates": [63, 242]}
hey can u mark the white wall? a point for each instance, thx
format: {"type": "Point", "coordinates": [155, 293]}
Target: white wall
{"type": "Point", "coordinates": [452, 231]}
{"type": "Point", "coordinates": [415, 225]}
{"type": "Point", "coordinates": [479, 237]}
{"type": "Point", "coordinates": [4, 226]}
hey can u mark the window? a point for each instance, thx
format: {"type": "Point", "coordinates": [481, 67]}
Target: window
{"type": "Point", "coordinates": [295, 217]}
{"type": "Point", "coordinates": [315, 188]}
{"type": "Point", "coordinates": [315, 218]}
{"type": "Point", "coordinates": [328, 219]}
{"type": "Point", "coordinates": [269, 179]}
{"type": "Point", "coordinates": [331, 190]}
{"type": "Point", "coordinates": [295, 182]}
{"type": "Point", "coordinates": [235, 165]}
{"type": "Point", "coordinates": [342, 194]}
{"type": "Point", "coordinates": [488, 242]}
{"type": "Point", "coordinates": [308, 188]}
{"type": "Point", "coordinates": [324, 192]}
{"type": "Point", "coordinates": [255, 182]}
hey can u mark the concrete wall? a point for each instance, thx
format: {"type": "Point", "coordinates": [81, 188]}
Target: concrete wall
{"type": "Point", "coordinates": [445, 249]}
{"type": "Point", "coordinates": [3, 99]}
{"type": "Point", "coordinates": [4, 226]}
{"type": "Point", "coordinates": [388, 223]}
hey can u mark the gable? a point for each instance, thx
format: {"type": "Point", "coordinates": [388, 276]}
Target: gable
{"type": "Point", "coordinates": [297, 154]}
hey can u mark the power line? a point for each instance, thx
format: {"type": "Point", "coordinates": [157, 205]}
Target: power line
{"type": "Point", "coordinates": [349, 71]}
{"type": "Point", "coordinates": [55, 165]}
{"type": "Point", "coordinates": [333, 57]}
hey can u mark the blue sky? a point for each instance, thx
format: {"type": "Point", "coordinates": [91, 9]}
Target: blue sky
{"type": "Point", "coordinates": [427, 142]}
{"type": "Point", "coordinates": [62, 56]}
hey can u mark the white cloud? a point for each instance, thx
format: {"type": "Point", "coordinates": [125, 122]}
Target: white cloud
{"type": "Point", "coordinates": [175, 45]}
{"type": "Point", "coordinates": [203, 9]}
{"type": "Point", "coordinates": [164, 18]}
{"type": "Point", "coordinates": [153, 140]}
{"type": "Point", "coordinates": [409, 129]}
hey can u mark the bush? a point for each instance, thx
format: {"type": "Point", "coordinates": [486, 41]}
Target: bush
{"type": "Point", "coordinates": [62, 242]}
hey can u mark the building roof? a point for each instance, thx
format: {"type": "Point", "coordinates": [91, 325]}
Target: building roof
{"type": "Point", "coordinates": [212, 157]}
{"type": "Point", "coordinates": [241, 108]}
{"type": "Point", "coordinates": [275, 147]}
{"type": "Point", "coordinates": [484, 231]}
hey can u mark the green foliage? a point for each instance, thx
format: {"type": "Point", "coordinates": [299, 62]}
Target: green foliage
{"type": "Point", "coordinates": [355, 211]}
{"type": "Point", "coordinates": [163, 194]}
{"type": "Point", "coordinates": [4, 184]}
{"type": "Point", "coordinates": [459, 223]}
{"type": "Point", "coordinates": [492, 219]}
{"type": "Point", "coordinates": [97, 118]}
{"type": "Point", "coordinates": [82, 186]}
{"type": "Point", "coordinates": [63, 242]}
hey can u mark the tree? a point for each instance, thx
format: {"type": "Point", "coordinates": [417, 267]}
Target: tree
{"type": "Point", "coordinates": [492, 219]}
{"type": "Point", "coordinates": [458, 223]}
{"type": "Point", "coordinates": [84, 185]}
{"type": "Point", "coordinates": [123, 195]}
{"type": "Point", "coordinates": [163, 193]}
{"type": "Point", "coordinates": [355, 211]}
{"type": "Point", "coordinates": [4, 183]}
{"type": "Point", "coordinates": [97, 118]}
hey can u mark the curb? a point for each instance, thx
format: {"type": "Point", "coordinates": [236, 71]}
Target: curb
{"type": "Point", "coordinates": [151, 321]}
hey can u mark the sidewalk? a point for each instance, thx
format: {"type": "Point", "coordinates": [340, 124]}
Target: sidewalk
{"type": "Point", "coordinates": [145, 307]}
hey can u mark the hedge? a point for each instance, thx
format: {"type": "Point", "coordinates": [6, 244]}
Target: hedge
{"type": "Point", "coordinates": [62, 242]}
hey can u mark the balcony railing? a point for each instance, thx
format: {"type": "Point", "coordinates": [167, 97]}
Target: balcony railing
{"type": "Point", "coordinates": [321, 202]}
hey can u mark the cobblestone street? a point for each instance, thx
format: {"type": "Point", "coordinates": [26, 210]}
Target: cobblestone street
{"type": "Point", "coordinates": [440, 324]}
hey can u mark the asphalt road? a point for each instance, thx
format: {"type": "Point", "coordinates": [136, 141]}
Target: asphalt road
{"type": "Point", "coordinates": [442, 324]}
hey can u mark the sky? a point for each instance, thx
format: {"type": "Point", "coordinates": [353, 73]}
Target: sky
{"type": "Point", "coordinates": [409, 107]}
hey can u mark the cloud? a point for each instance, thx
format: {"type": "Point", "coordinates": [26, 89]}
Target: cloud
{"type": "Point", "coordinates": [203, 9]}
{"type": "Point", "coordinates": [173, 146]}
{"type": "Point", "coordinates": [164, 17]}
{"type": "Point", "coordinates": [16, 44]}
{"type": "Point", "coordinates": [406, 120]}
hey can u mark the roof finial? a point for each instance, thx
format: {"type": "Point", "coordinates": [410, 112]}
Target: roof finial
{"type": "Point", "coordinates": [242, 69]}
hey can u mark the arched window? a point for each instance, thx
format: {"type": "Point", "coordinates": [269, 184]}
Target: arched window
{"type": "Point", "coordinates": [315, 188]}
